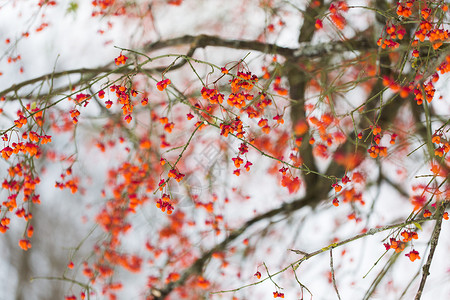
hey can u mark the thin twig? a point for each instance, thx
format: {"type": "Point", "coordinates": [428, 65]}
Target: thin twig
{"type": "Point", "coordinates": [381, 275]}
{"type": "Point", "coordinates": [302, 286]}
{"type": "Point", "coordinates": [333, 279]}
{"type": "Point", "coordinates": [268, 274]}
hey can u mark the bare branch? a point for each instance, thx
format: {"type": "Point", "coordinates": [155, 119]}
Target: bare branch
{"type": "Point", "coordinates": [16, 87]}
{"type": "Point", "coordinates": [203, 41]}
{"type": "Point", "coordinates": [434, 241]}
{"type": "Point", "coordinates": [305, 50]}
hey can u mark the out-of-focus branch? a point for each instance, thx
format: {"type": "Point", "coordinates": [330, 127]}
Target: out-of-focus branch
{"type": "Point", "coordinates": [305, 49]}
{"type": "Point", "coordinates": [310, 50]}
{"type": "Point", "coordinates": [200, 263]}
{"type": "Point", "coordinates": [54, 75]}
{"type": "Point", "coordinates": [203, 41]}
{"type": "Point", "coordinates": [298, 79]}
{"type": "Point", "coordinates": [92, 72]}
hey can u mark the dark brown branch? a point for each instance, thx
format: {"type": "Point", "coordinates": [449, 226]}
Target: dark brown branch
{"type": "Point", "coordinates": [309, 19]}
{"type": "Point", "coordinates": [305, 50]}
{"type": "Point", "coordinates": [203, 41]}
{"type": "Point", "coordinates": [298, 79]}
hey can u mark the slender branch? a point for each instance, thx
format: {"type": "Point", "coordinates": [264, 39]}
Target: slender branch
{"type": "Point", "coordinates": [53, 75]}
{"type": "Point", "coordinates": [63, 278]}
{"type": "Point", "coordinates": [434, 241]}
{"type": "Point", "coordinates": [380, 275]}
{"type": "Point", "coordinates": [185, 146]}
{"type": "Point", "coordinates": [301, 284]}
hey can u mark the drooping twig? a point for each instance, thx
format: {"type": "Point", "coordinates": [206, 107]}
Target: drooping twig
{"type": "Point", "coordinates": [302, 286]}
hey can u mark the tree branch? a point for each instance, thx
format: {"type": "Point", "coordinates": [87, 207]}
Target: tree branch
{"type": "Point", "coordinates": [305, 50]}
{"type": "Point", "coordinates": [434, 241]}
{"type": "Point", "coordinates": [53, 75]}
{"type": "Point", "coordinates": [203, 41]}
